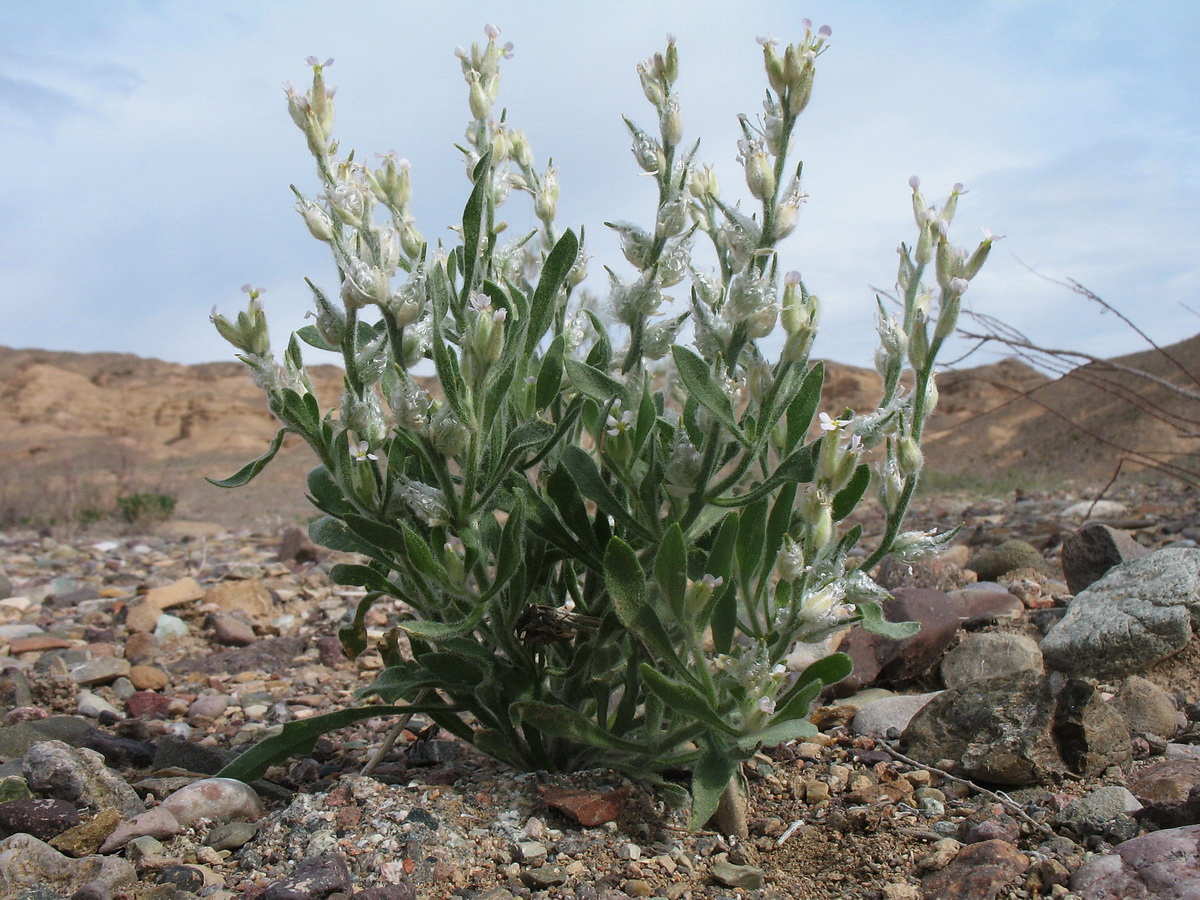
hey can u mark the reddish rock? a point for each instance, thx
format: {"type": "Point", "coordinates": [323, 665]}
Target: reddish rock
{"type": "Point", "coordinates": [1163, 864]}
{"type": "Point", "coordinates": [979, 872]}
{"type": "Point", "coordinates": [147, 705]}
{"type": "Point", "coordinates": [36, 643]}
{"type": "Point", "coordinates": [1165, 781]}
{"type": "Point", "coordinates": [141, 647]}
{"type": "Point", "coordinates": [588, 808]}
{"type": "Point", "coordinates": [232, 631]}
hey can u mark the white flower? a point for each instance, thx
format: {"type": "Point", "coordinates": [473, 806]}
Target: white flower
{"type": "Point", "coordinates": [990, 238]}
{"type": "Point", "coordinates": [618, 420]}
{"type": "Point", "coordinates": [362, 452]}
{"type": "Point", "coordinates": [828, 423]}
{"type": "Point", "coordinates": [767, 705]}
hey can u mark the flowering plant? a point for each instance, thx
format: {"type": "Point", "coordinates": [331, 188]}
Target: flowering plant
{"type": "Point", "coordinates": [604, 544]}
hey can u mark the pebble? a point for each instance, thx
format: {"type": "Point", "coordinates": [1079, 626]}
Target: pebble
{"type": "Point", "coordinates": [314, 878]}
{"type": "Point", "coordinates": [735, 876]}
{"type": "Point", "coordinates": [170, 628]}
{"type": "Point", "coordinates": [43, 818]}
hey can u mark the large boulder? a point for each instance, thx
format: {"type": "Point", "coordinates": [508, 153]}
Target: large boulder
{"type": "Point", "coordinates": [1019, 729]}
{"type": "Point", "coordinates": [1162, 864]}
{"type": "Point", "coordinates": [1136, 615]}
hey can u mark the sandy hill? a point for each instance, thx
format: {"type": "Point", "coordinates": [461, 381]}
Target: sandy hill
{"type": "Point", "coordinates": [75, 429]}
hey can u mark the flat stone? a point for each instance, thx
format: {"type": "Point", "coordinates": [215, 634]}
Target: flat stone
{"type": "Point", "coordinates": [41, 817]}
{"type": "Point", "coordinates": [85, 839]}
{"type": "Point", "coordinates": [1147, 708]}
{"type": "Point", "coordinates": [249, 598]}
{"type": "Point", "coordinates": [1167, 780]}
{"type": "Point", "coordinates": [748, 878]}
{"type": "Point", "coordinates": [231, 631]}
{"type": "Point", "coordinates": [16, 740]}
{"type": "Point", "coordinates": [314, 878]}
{"type": "Point", "coordinates": [37, 643]}
{"type": "Point", "coordinates": [177, 593]}
{"type": "Point", "coordinates": [147, 705]}
{"type": "Point", "coordinates": [885, 715]}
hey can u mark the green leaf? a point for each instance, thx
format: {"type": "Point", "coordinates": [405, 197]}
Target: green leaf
{"type": "Point", "coordinates": [591, 382]}
{"type": "Point", "coordinates": [874, 622]}
{"type": "Point", "coordinates": [300, 736]}
{"type": "Point", "coordinates": [549, 379]}
{"type": "Point", "coordinates": [439, 631]}
{"type": "Point", "coordinates": [590, 483]}
{"type": "Point", "coordinates": [791, 730]}
{"type": "Point", "coordinates": [847, 498]}
{"type": "Point", "coordinates": [247, 472]}
{"type": "Point", "coordinates": [714, 770]}
{"type": "Point", "coordinates": [626, 582]}
{"type": "Point", "coordinates": [333, 534]}
{"type": "Point", "coordinates": [752, 532]}
{"type": "Point", "coordinates": [452, 670]}
{"type": "Point", "coordinates": [363, 576]}
{"type": "Point", "coordinates": [696, 377]}
{"type": "Point", "coordinates": [684, 698]}
{"type": "Point", "coordinates": [311, 336]}
{"type": "Point", "coordinates": [326, 494]}
{"type": "Point", "coordinates": [795, 702]}
{"type": "Point", "coordinates": [473, 224]}
{"type": "Point", "coordinates": [562, 721]}
{"type": "Point", "coordinates": [802, 409]}
{"type": "Point", "coordinates": [670, 568]}
{"type": "Point", "coordinates": [421, 557]}
{"type": "Point", "coordinates": [554, 272]}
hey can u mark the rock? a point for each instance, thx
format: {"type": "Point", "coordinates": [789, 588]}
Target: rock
{"type": "Point", "coordinates": [168, 628]}
{"type": "Point", "coordinates": [231, 835]}
{"type": "Point", "coordinates": [218, 799]}
{"type": "Point", "coordinates": [296, 547]}
{"type": "Point", "coordinates": [588, 808]}
{"type": "Point", "coordinates": [120, 752]}
{"type": "Point", "coordinates": [544, 877]}
{"type": "Point", "coordinates": [15, 740]}
{"type": "Point", "coordinates": [231, 631]}
{"type": "Point", "coordinates": [314, 878]}
{"type": "Point", "coordinates": [185, 878]}
{"type": "Point", "coordinates": [13, 787]}
{"type": "Point", "coordinates": [249, 598]}
{"type": "Point", "coordinates": [1163, 864]}
{"type": "Point", "coordinates": [1089, 553]}
{"type": "Point", "coordinates": [938, 573]}
{"type": "Point", "coordinates": [899, 661]}
{"type": "Point", "coordinates": [101, 670]}
{"type": "Point", "coordinates": [208, 706]}
{"type": "Point", "coordinates": [148, 678]}
{"type": "Point", "coordinates": [748, 878]}
{"type": "Point", "coordinates": [986, 603]}
{"type": "Point", "coordinates": [1024, 728]}
{"type": "Point", "coordinates": [95, 707]}
{"type": "Point", "coordinates": [1007, 557]}
{"type": "Point", "coordinates": [1147, 708]}
{"type": "Point", "coordinates": [979, 872]}
{"type": "Point", "coordinates": [26, 862]}
{"type": "Point", "coordinates": [141, 648]}
{"type": "Point", "coordinates": [156, 823]}
{"type": "Point", "coordinates": [179, 753]}
{"type": "Point", "coordinates": [43, 818]}
{"type": "Point", "coordinates": [1095, 810]}
{"type": "Point", "coordinates": [1168, 780]}
{"type": "Point", "coordinates": [1130, 619]}
{"type": "Point", "coordinates": [1094, 509]}
{"type": "Point", "coordinates": [148, 705]}
{"type": "Point", "coordinates": [177, 593]}
{"type": "Point", "coordinates": [401, 891]}
{"type": "Point", "coordinates": [79, 776]}
{"type": "Point", "coordinates": [888, 715]}
{"type": "Point", "coordinates": [268, 654]}
{"type": "Point", "coordinates": [988, 655]}
{"type": "Point", "coordinates": [85, 839]}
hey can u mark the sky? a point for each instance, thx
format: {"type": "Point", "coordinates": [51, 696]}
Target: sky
{"type": "Point", "coordinates": [149, 149]}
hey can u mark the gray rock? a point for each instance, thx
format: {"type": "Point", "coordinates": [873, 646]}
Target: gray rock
{"type": "Point", "coordinates": [880, 717]}
{"type": "Point", "coordinates": [231, 631]}
{"type": "Point", "coordinates": [79, 776]}
{"type": "Point", "coordinates": [988, 655]}
{"type": "Point", "coordinates": [749, 878]}
{"type": "Point", "coordinates": [15, 740]}
{"type": "Point", "coordinates": [1088, 554]}
{"type": "Point", "coordinates": [1024, 728]}
{"type": "Point", "coordinates": [94, 706]}
{"type": "Point", "coordinates": [1137, 614]}
{"type": "Point", "coordinates": [231, 836]}
{"type": "Point", "coordinates": [1095, 810]}
{"type": "Point", "coordinates": [543, 877]}
{"type": "Point", "coordinates": [101, 670]}
{"type": "Point", "coordinates": [1007, 557]}
{"type": "Point", "coordinates": [26, 862]}
{"type": "Point", "coordinates": [1147, 708]}
{"type": "Point", "coordinates": [1163, 865]}
{"type": "Point", "coordinates": [1165, 781]}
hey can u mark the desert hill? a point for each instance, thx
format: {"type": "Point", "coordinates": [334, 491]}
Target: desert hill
{"type": "Point", "coordinates": [75, 429]}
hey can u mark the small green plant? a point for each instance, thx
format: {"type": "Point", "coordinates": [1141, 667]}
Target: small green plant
{"type": "Point", "coordinates": [145, 508]}
{"type": "Point", "coordinates": [606, 542]}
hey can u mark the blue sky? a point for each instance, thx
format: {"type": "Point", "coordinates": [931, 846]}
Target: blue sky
{"type": "Point", "coordinates": [149, 149]}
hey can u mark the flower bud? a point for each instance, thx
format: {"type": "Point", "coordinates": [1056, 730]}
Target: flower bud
{"type": "Point", "coordinates": [909, 458]}
{"type": "Point", "coordinates": [447, 433]}
{"type": "Point", "coordinates": [787, 213]}
{"type": "Point", "coordinates": [697, 596]}
{"type": "Point", "coordinates": [760, 176]}
{"type": "Point", "coordinates": [546, 205]}
{"type": "Point", "coordinates": [519, 150]}
{"type": "Point", "coordinates": [918, 343]}
{"type": "Point", "coordinates": [364, 284]}
{"type": "Point", "coordinates": [670, 67]}
{"type": "Point", "coordinates": [975, 262]}
{"type": "Point", "coordinates": [790, 561]}
{"type": "Point", "coordinates": [477, 98]}
{"type": "Point", "coordinates": [773, 64]}
{"type": "Point", "coordinates": [650, 83]}
{"type": "Point", "coordinates": [703, 183]}
{"type": "Point", "coordinates": [671, 121]}
{"type": "Point", "coordinates": [319, 224]}
{"type": "Point", "coordinates": [636, 243]}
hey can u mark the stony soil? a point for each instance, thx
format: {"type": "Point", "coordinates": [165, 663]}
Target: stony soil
{"type": "Point", "coordinates": [838, 816]}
